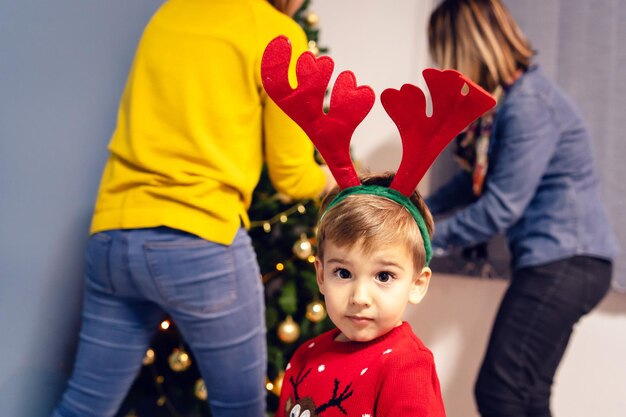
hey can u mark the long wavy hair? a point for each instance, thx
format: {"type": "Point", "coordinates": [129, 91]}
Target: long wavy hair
{"type": "Point", "coordinates": [479, 38]}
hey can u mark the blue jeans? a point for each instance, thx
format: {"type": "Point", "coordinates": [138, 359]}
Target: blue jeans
{"type": "Point", "coordinates": [531, 332]}
{"type": "Point", "coordinates": [212, 292]}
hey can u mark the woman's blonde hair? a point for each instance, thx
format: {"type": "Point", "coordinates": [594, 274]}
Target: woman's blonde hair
{"type": "Point", "coordinates": [373, 221]}
{"type": "Point", "coordinates": [480, 39]}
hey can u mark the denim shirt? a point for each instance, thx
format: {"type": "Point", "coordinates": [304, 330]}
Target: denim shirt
{"type": "Point", "coordinates": [541, 188]}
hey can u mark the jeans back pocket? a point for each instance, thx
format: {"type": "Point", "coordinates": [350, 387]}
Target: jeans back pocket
{"type": "Point", "coordinates": [97, 265]}
{"type": "Point", "coordinates": [192, 274]}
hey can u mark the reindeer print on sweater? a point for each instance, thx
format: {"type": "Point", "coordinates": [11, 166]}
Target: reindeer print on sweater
{"type": "Point", "coordinates": [392, 376]}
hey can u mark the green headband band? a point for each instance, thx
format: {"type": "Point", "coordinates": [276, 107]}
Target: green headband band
{"type": "Point", "coordinates": [393, 195]}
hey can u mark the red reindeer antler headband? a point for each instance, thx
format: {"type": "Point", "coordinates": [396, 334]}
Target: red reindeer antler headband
{"type": "Point", "coordinates": [456, 102]}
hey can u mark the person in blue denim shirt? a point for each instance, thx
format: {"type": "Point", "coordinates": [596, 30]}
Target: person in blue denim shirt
{"type": "Point", "coordinates": [540, 189]}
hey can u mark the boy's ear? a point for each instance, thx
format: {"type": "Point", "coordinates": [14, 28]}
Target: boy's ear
{"type": "Point", "coordinates": [319, 273]}
{"type": "Point", "coordinates": [420, 286]}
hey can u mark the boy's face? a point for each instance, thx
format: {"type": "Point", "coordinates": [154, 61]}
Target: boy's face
{"type": "Point", "coordinates": [366, 294]}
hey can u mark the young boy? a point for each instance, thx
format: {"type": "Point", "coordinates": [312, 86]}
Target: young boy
{"type": "Point", "coordinates": [373, 240]}
{"type": "Point", "coordinates": [371, 264]}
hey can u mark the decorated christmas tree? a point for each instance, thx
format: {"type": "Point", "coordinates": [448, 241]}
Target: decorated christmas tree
{"type": "Point", "coordinates": [283, 233]}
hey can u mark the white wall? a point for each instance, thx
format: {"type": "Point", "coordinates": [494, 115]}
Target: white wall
{"type": "Point", "coordinates": [381, 43]}
{"type": "Point", "coordinates": [455, 318]}
{"type": "Point", "coordinates": [384, 44]}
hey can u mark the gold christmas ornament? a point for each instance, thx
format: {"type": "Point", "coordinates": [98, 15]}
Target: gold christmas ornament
{"type": "Point", "coordinates": [288, 330]}
{"type": "Point", "coordinates": [278, 383]}
{"type": "Point", "coordinates": [161, 401]}
{"type": "Point", "coordinates": [148, 358]}
{"type": "Point", "coordinates": [312, 19]}
{"type": "Point", "coordinates": [316, 311]}
{"type": "Point", "coordinates": [303, 247]}
{"type": "Point", "coordinates": [179, 360]}
{"type": "Point", "coordinates": [199, 390]}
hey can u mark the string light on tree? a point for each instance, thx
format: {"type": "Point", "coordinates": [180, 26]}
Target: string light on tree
{"type": "Point", "coordinates": [313, 48]}
{"type": "Point", "coordinates": [281, 217]}
{"type": "Point", "coordinates": [277, 385]}
{"type": "Point", "coordinates": [148, 358]}
{"type": "Point", "coordinates": [312, 19]}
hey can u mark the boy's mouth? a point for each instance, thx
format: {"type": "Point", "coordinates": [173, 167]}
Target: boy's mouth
{"type": "Point", "coordinates": [360, 319]}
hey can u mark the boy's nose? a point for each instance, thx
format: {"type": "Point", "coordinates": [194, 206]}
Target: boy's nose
{"type": "Point", "coordinates": [361, 295]}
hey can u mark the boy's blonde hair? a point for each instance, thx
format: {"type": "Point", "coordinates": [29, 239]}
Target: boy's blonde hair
{"type": "Point", "coordinates": [373, 221]}
{"type": "Point", "coordinates": [480, 39]}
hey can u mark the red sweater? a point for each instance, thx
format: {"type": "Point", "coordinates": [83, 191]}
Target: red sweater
{"type": "Point", "coordinates": [392, 376]}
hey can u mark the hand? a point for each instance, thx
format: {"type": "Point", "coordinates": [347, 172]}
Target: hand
{"type": "Point", "coordinates": [288, 7]}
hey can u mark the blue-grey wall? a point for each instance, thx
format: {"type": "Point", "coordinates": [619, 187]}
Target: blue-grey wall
{"type": "Point", "coordinates": [63, 66]}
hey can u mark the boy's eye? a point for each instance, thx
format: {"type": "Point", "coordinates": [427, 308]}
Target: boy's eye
{"type": "Point", "coordinates": [342, 273]}
{"type": "Point", "coordinates": [384, 276]}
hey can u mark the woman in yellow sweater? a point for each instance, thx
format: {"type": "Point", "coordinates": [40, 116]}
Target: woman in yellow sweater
{"type": "Point", "coordinates": [169, 227]}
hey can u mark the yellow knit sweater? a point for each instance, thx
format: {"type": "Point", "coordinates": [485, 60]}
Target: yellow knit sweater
{"type": "Point", "coordinates": [194, 124]}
